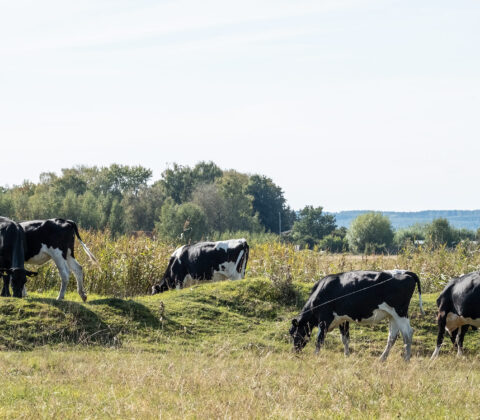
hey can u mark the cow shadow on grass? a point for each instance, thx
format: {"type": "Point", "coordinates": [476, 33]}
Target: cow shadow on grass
{"type": "Point", "coordinates": [72, 323]}
{"type": "Point", "coordinates": [133, 311]}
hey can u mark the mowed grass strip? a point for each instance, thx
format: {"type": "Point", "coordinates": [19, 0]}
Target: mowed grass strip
{"type": "Point", "coordinates": [217, 350]}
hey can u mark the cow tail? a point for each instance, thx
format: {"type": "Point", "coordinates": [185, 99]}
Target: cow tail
{"type": "Point", "coordinates": [85, 247]}
{"type": "Point", "coordinates": [417, 280]}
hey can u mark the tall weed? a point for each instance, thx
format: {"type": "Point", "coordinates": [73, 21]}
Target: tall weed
{"type": "Point", "coordinates": [129, 266]}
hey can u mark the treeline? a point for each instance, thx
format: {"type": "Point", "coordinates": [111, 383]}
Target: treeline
{"type": "Point", "coordinates": [187, 203]}
{"type": "Point", "coordinates": [205, 202]}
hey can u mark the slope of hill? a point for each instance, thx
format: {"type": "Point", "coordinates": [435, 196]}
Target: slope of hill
{"type": "Point", "coordinates": [468, 219]}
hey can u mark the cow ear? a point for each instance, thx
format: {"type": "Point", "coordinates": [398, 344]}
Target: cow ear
{"type": "Point", "coordinates": [295, 322]}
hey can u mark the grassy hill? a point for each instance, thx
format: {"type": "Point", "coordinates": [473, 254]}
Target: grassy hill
{"type": "Point", "coordinates": [216, 350]}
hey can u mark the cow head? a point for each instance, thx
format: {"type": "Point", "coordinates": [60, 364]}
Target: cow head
{"type": "Point", "coordinates": [300, 332]}
{"type": "Point", "coordinates": [159, 288]}
{"type": "Point", "coordinates": [18, 277]}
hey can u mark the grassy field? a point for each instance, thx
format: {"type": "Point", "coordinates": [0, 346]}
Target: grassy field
{"type": "Point", "coordinates": [217, 350]}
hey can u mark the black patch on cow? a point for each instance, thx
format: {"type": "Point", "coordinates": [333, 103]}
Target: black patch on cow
{"type": "Point", "coordinates": [12, 252]}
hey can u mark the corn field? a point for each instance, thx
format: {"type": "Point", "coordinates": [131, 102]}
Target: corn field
{"type": "Point", "coordinates": [129, 266]}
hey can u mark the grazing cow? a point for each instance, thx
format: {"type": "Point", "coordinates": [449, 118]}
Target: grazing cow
{"type": "Point", "coordinates": [205, 261]}
{"type": "Point", "coordinates": [458, 308]}
{"type": "Point", "coordinates": [12, 254]}
{"type": "Point", "coordinates": [358, 296]}
{"type": "Point", "coordinates": [54, 239]}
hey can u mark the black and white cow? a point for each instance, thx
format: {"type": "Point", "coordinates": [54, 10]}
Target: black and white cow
{"type": "Point", "coordinates": [205, 261]}
{"type": "Point", "coordinates": [358, 296]}
{"type": "Point", "coordinates": [12, 257]}
{"type": "Point", "coordinates": [458, 309]}
{"type": "Point", "coordinates": [54, 239]}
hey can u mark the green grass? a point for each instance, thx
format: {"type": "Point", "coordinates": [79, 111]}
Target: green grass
{"type": "Point", "coordinates": [217, 350]}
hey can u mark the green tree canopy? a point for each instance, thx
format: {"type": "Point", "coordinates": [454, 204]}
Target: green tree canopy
{"type": "Point", "coordinates": [181, 222]}
{"type": "Point", "coordinates": [269, 203]}
{"type": "Point", "coordinates": [370, 232]}
{"type": "Point", "coordinates": [312, 226]}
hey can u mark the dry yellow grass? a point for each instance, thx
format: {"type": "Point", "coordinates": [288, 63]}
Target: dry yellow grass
{"type": "Point", "coordinates": [193, 384]}
{"type": "Point", "coordinates": [129, 266]}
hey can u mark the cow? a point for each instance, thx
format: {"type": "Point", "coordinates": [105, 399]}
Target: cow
{"type": "Point", "coordinates": [205, 261]}
{"type": "Point", "coordinates": [458, 309]}
{"type": "Point", "coordinates": [12, 257]}
{"type": "Point", "coordinates": [54, 239]}
{"type": "Point", "coordinates": [358, 296]}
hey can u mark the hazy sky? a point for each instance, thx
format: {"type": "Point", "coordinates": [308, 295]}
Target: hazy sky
{"type": "Point", "coordinates": [344, 104]}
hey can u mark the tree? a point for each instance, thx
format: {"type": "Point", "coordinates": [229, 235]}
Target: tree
{"type": "Point", "coordinates": [269, 203]}
{"type": "Point", "coordinates": [232, 187]}
{"type": "Point", "coordinates": [370, 232]}
{"type": "Point", "coordinates": [312, 225]}
{"type": "Point", "coordinates": [439, 232]}
{"type": "Point", "coordinates": [7, 207]}
{"type": "Point", "coordinates": [116, 220]}
{"type": "Point", "coordinates": [180, 181]}
{"type": "Point", "coordinates": [409, 235]}
{"type": "Point", "coordinates": [205, 173]}
{"type": "Point", "coordinates": [122, 178]}
{"type": "Point", "coordinates": [209, 199]}
{"type": "Point", "coordinates": [181, 222]}
{"type": "Point", "coordinates": [90, 211]}
{"type": "Point", "coordinates": [177, 182]}
{"type": "Point", "coordinates": [70, 206]}
{"type": "Point", "coordinates": [141, 210]}
{"type": "Point", "coordinates": [335, 241]}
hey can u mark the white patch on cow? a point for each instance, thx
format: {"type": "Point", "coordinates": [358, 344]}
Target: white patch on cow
{"type": "Point", "coordinates": [455, 321]}
{"type": "Point", "coordinates": [435, 353]}
{"type": "Point", "coordinates": [44, 255]}
{"type": "Point", "coordinates": [231, 243]}
{"type": "Point", "coordinates": [227, 270]}
{"type": "Point", "coordinates": [377, 316]}
{"type": "Point", "coordinates": [188, 280]}
{"type": "Point", "coordinates": [177, 253]}
{"type": "Point", "coordinates": [395, 272]}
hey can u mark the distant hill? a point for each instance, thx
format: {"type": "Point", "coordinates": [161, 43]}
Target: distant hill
{"type": "Point", "coordinates": [468, 219]}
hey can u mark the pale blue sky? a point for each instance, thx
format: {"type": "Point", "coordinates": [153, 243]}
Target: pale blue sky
{"type": "Point", "coordinates": [369, 104]}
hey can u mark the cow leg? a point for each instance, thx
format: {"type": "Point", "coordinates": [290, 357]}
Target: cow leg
{"type": "Point", "coordinates": [322, 332]}
{"type": "Point", "coordinates": [64, 271]}
{"type": "Point", "coordinates": [460, 337]}
{"type": "Point", "coordinates": [6, 285]}
{"type": "Point", "coordinates": [345, 331]}
{"type": "Point", "coordinates": [407, 335]}
{"type": "Point", "coordinates": [78, 273]}
{"type": "Point", "coordinates": [392, 337]}
{"type": "Point", "coordinates": [442, 322]}
{"type": "Point", "coordinates": [453, 336]}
